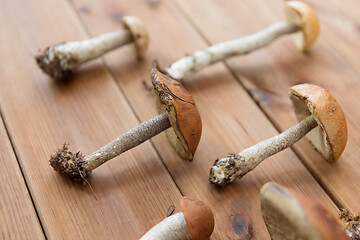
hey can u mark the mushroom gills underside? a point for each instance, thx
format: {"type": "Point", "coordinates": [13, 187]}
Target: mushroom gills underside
{"type": "Point", "coordinates": [282, 225]}
{"type": "Point", "coordinates": [179, 144]}
{"type": "Point", "coordinates": [299, 37]}
{"type": "Point", "coordinates": [284, 216]}
{"type": "Point", "coordinates": [317, 136]}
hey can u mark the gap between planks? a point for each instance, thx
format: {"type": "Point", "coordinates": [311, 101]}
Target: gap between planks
{"type": "Point", "coordinates": [2, 119]}
{"type": "Point", "coordinates": [333, 191]}
{"type": "Point", "coordinates": [250, 100]}
{"type": "Point", "coordinates": [337, 201]}
{"type": "Point", "coordinates": [113, 77]}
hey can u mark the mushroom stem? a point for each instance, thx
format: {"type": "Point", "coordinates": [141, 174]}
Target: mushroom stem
{"type": "Point", "coordinates": [89, 49]}
{"type": "Point", "coordinates": [78, 167]}
{"type": "Point", "coordinates": [351, 223]}
{"type": "Point", "coordinates": [188, 65]}
{"type": "Point", "coordinates": [237, 165]}
{"type": "Point", "coordinates": [289, 214]}
{"type": "Point", "coordinates": [60, 60]}
{"type": "Point", "coordinates": [171, 228]}
{"type": "Point", "coordinates": [128, 140]}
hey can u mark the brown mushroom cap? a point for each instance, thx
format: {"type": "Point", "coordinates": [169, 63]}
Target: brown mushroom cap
{"type": "Point", "coordinates": [184, 116]}
{"type": "Point", "coordinates": [330, 137]}
{"type": "Point", "coordinates": [199, 218]}
{"type": "Point", "coordinates": [139, 33]}
{"type": "Point", "coordinates": [289, 214]}
{"type": "Point", "coordinates": [300, 13]}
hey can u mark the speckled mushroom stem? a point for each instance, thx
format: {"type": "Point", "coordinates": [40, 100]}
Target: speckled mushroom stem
{"type": "Point", "coordinates": [228, 169]}
{"type": "Point", "coordinates": [128, 140]}
{"type": "Point", "coordinates": [171, 228]}
{"type": "Point", "coordinates": [188, 65]}
{"type": "Point", "coordinates": [60, 60]}
{"type": "Point", "coordinates": [78, 166]}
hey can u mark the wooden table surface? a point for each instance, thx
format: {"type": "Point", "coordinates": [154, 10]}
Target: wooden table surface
{"type": "Point", "coordinates": [241, 101]}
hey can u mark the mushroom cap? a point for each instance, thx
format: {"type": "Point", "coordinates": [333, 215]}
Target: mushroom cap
{"type": "Point", "coordinates": [199, 218]}
{"type": "Point", "coordinates": [302, 14]}
{"type": "Point", "coordinates": [139, 33]}
{"type": "Point", "coordinates": [184, 116]}
{"type": "Point", "coordinates": [289, 214]}
{"type": "Point", "coordinates": [330, 137]}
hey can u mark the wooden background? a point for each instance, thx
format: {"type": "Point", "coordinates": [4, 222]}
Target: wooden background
{"type": "Point", "coordinates": [241, 101]}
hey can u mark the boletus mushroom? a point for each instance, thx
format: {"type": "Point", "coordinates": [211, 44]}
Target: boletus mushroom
{"type": "Point", "coordinates": [302, 23]}
{"type": "Point", "coordinates": [290, 215]}
{"type": "Point", "coordinates": [61, 60]}
{"type": "Point", "coordinates": [196, 221]}
{"type": "Point", "coordinates": [320, 118]}
{"type": "Point", "coordinates": [351, 223]}
{"type": "Point", "coordinates": [177, 110]}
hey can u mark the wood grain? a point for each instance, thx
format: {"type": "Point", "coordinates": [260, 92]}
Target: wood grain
{"type": "Point", "coordinates": [131, 192]}
{"type": "Point", "coordinates": [18, 218]}
{"type": "Point", "coordinates": [231, 120]}
{"type": "Point", "coordinates": [268, 73]}
{"type": "Point", "coordinates": [341, 27]}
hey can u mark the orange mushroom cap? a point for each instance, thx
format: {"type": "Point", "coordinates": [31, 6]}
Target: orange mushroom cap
{"type": "Point", "coordinates": [330, 137]}
{"type": "Point", "coordinates": [183, 114]}
{"type": "Point", "coordinates": [302, 14]}
{"type": "Point", "coordinates": [199, 218]}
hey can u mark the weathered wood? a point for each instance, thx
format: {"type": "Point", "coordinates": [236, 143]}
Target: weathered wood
{"type": "Point", "coordinates": [231, 120]}
{"type": "Point", "coordinates": [131, 192]}
{"type": "Point", "coordinates": [18, 218]}
{"type": "Point", "coordinates": [341, 27]}
{"type": "Point", "coordinates": [268, 73]}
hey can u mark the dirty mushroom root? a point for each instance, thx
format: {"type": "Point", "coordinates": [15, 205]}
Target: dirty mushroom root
{"type": "Point", "coordinates": [178, 114]}
{"type": "Point", "coordinates": [320, 118]}
{"type": "Point", "coordinates": [302, 23]}
{"type": "Point", "coordinates": [351, 222]}
{"type": "Point", "coordinates": [62, 60]}
{"type": "Point", "coordinates": [196, 221]}
{"type": "Point", "coordinates": [290, 215]}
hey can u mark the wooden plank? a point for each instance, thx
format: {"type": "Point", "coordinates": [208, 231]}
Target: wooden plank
{"type": "Point", "coordinates": [18, 218]}
{"type": "Point", "coordinates": [131, 192]}
{"type": "Point", "coordinates": [341, 27]}
{"type": "Point", "coordinates": [227, 127]}
{"type": "Point", "coordinates": [269, 72]}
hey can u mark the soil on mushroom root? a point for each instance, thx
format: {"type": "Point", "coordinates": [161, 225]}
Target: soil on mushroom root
{"type": "Point", "coordinates": [352, 224]}
{"type": "Point", "coordinates": [70, 164]}
{"type": "Point", "coordinates": [53, 65]}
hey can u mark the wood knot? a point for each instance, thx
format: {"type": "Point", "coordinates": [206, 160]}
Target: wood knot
{"type": "Point", "coordinates": [242, 226]}
{"type": "Point", "coordinates": [117, 17]}
{"type": "Point", "coordinates": [153, 3]}
{"type": "Point", "coordinates": [84, 9]}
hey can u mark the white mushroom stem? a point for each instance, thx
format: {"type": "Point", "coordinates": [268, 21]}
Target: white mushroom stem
{"type": "Point", "coordinates": [128, 140]}
{"type": "Point", "coordinates": [61, 60]}
{"type": "Point", "coordinates": [171, 228]}
{"type": "Point", "coordinates": [83, 51]}
{"type": "Point", "coordinates": [228, 169]}
{"type": "Point", "coordinates": [188, 65]}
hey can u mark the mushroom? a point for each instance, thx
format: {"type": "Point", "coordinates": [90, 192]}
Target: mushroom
{"type": "Point", "coordinates": [320, 117]}
{"type": "Point", "coordinates": [60, 61]}
{"type": "Point", "coordinates": [351, 222]}
{"type": "Point", "coordinates": [302, 23]}
{"type": "Point", "coordinates": [177, 110]}
{"type": "Point", "coordinates": [289, 214]}
{"type": "Point", "coordinates": [196, 221]}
